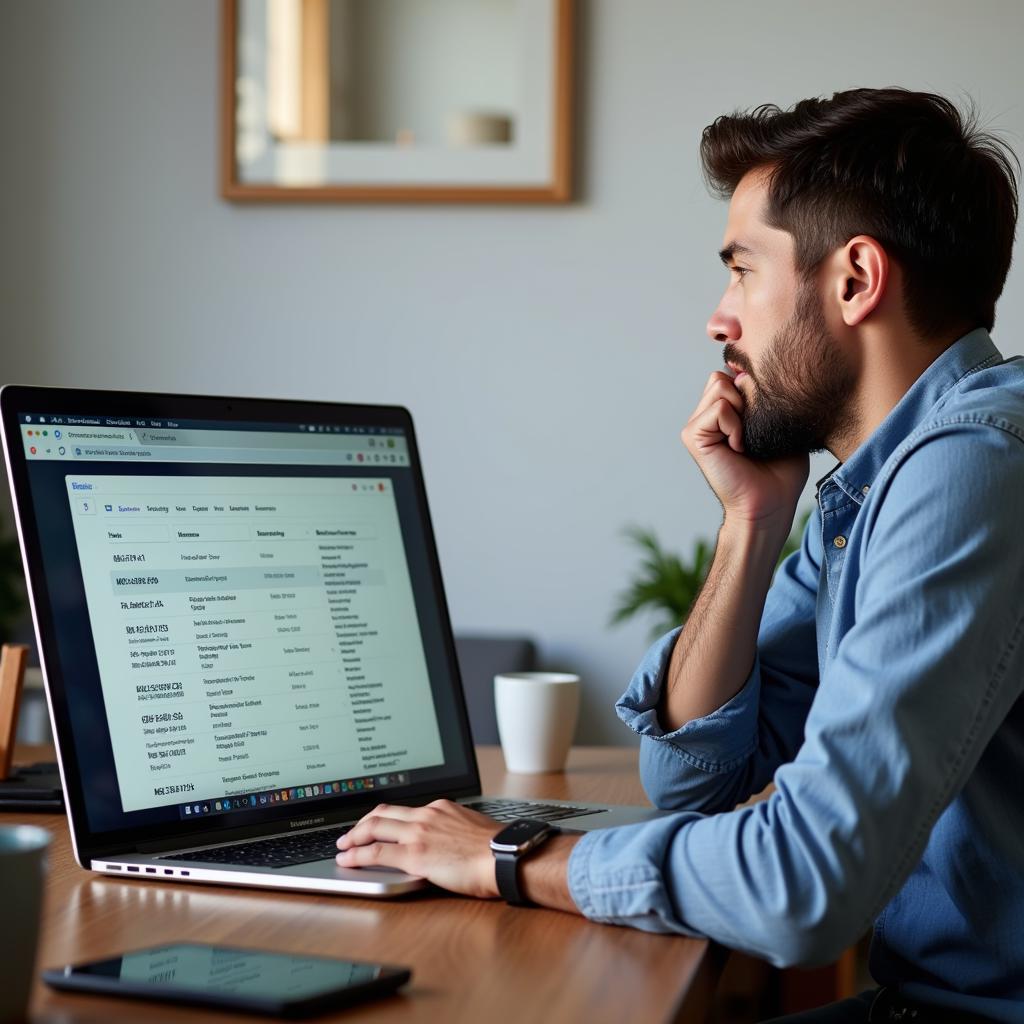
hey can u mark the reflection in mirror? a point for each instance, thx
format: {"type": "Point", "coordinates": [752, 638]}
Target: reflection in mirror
{"type": "Point", "coordinates": [409, 72]}
{"type": "Point", "coordinates": [334, 92]}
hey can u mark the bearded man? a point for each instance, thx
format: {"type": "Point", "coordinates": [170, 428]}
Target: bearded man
{"type": "Point", "coordinates": [876, 680]}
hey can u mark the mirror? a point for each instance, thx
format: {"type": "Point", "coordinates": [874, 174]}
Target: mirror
{"type": "Point", "coordinates": [397, 100]}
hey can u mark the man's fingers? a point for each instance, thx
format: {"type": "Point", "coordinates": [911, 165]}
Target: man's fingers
{"type": "Point", "coordinates": [720, 386]}
{"type": "Point", "coordinates": [388, 855]}
{"type": "Point", "coordinates": [450, 809]}
{"type": "Point", "coordinates": [396, 812]}
{"type": "Point", "coordinates": [373, 828]}
{"type": "Point", "coordinates": [444, 842]}
{"type": "Point", "coordinates": [723, 423]}
{"type": "Point", "coordinates": [716, 377]}
{"type": "Point", "coordinates": [717, 380]}
{"type": "Point", "coordinates": [719, 423]}
{"type": "Point", "coordinates": [380, 822]}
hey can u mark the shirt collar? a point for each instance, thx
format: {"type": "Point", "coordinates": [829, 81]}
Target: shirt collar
{"type": "Point", "coordinates": [969, 353]}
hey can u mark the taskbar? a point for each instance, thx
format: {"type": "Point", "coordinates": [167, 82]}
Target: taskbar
{"type": "Point", "coordinates": [290, 794]}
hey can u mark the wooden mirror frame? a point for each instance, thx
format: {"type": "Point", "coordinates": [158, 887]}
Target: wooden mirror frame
{"type": "Point", "coordinates": [558, 189]}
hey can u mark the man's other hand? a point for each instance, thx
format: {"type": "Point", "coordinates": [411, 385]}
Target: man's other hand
{"type": "Point", "coordinates": [444, 842]}
{"type": "Point", "coordinates": [750, 490]}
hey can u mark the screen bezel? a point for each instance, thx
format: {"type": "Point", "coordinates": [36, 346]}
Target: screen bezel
{"type": "Point", "coordinates": [16, 400]}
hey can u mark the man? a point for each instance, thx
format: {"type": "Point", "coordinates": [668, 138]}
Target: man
{"type": "Point", "coordinates": [876, 681]}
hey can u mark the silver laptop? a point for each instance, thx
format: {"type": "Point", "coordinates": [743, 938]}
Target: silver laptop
{"type": "Point", "coordinates": [244, 634]}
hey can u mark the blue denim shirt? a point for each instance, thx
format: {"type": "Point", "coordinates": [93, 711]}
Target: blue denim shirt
{"type": "Point", "coordinates": [883, 703]}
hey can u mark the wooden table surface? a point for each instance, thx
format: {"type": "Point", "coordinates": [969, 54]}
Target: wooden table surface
{"type": "Point", "coordinates": [472, 960]}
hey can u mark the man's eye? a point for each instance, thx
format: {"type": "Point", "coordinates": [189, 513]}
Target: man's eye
{"type": "Point", "coordinates": [741, 271]}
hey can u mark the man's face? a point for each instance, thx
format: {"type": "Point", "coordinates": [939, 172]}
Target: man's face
{"type": "Point", "coordinates": [796, 380]}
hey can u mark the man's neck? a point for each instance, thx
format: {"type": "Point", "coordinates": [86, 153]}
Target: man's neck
{"type": "Point", "coordinates": [890, 365]}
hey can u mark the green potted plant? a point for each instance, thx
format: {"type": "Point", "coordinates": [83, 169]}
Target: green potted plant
{"type": "Point", "coordinates": [667, 584]}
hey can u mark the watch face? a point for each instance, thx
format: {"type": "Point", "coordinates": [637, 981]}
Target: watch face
{"type": "Point", "coordinates": [519, 835]}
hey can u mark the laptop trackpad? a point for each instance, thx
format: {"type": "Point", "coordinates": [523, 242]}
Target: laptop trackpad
{"type": "Point", "coordinates": [328, 869]}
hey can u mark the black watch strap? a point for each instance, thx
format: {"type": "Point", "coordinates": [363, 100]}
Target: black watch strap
{"type": "Point", "coordinates": [506, 872]}
{"type": "Point", "coordinates": [510, 846]}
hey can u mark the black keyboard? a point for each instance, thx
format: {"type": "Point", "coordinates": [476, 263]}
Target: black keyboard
{"type": "Point", "coordinates": [510, 810]}
{"type": "Point", "coordinates": [277, 852]}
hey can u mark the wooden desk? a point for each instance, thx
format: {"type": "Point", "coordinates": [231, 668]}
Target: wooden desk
{"type": "Point", "coordinates": [472, 960]}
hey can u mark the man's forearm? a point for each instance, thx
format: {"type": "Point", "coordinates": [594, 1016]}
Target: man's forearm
{"type": "Point", "coordinates": [715, 651]}
{"type": "Point", "coordinates": [544, 877]}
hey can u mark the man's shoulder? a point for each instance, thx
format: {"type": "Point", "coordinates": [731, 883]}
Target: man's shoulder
{"type": "Point", "coordinates": [971, 443]}
{"type": "Point", "coordinates": [982, 414]}
{"type": "Point", "coordinates": [989, 397]}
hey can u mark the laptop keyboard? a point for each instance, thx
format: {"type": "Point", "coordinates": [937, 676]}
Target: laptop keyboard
{"type": "Point", "coordinates": [277, 852]}
{"type": "Point", "coordinates": [510, 810]}
{"type": "Point", "coordinates": [308, 847]}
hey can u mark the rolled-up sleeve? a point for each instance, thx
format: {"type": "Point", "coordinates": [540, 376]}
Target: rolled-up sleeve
{"type": "Point", "coordinates": [714, 762]}
{"type": "Point", "coordinates": [909, 701]}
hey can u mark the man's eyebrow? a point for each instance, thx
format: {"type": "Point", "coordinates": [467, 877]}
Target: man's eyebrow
{"type": "Point", "coordinates": [734, 249]}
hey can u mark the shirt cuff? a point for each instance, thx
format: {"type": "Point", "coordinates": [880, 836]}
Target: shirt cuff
{"type": "Point", "coordinates": [717, 742]}
{"type": "Point", "coordinates": [633, 893]}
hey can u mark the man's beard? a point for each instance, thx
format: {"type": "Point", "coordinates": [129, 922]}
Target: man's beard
{"type": "Point", "coordinates": [802, 390]}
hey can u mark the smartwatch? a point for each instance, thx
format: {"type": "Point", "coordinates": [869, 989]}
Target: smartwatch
{"type": "Point", "coordinates": [509, 846]}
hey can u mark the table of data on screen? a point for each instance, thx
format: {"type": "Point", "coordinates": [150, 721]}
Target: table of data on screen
{"type": "Point", "coordinates": [251, 632]}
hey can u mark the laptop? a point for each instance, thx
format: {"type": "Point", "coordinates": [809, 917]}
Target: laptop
{"type": "Point", "coordinates": [243, 632]}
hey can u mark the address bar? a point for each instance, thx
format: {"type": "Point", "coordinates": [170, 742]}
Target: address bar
{"type": "Point", "coordinates": [197, 453]}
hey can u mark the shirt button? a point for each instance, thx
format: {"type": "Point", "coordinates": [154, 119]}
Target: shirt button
{"type": "Point", "coordinates": [865, 489]}
{"type": "Point", "coordinates": [840, 541]}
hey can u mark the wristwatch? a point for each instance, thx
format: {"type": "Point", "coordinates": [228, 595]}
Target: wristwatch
{"type": "Point", "coordinates": [509, 846]}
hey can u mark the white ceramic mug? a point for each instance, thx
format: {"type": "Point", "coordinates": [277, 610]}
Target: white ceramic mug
{"type": "Point", "coordinates": [537, 714]}
{"type": "Point", "coordinates": [22, 868]}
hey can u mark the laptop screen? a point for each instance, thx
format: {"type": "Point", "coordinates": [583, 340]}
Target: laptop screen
{"type": "Point", "coordinates": [246, 613]}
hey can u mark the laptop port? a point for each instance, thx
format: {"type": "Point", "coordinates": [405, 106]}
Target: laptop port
{"type": "Point", "coordinates": [168, 871]}
{"type": "Point", "coordinates": [113, 867]}
{"type": "Point", "coordinates": [150, 871]}
{"type": "Point", "coordinates": [184, 874]}
{"type": "Point", "coordinates": [132, 867]}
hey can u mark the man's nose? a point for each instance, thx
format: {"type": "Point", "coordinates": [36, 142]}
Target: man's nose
{"type": "Point", "coordinates": [723, 327]}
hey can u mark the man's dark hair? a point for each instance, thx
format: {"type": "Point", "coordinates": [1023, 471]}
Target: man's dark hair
{"type": "Point", "coordinates": [906, 168]}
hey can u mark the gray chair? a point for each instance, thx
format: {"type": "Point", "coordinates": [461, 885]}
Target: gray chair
{"type": "Point", "coordinates": [481, 658]}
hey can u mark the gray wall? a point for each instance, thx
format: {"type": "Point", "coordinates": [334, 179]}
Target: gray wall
{"type": "Point", "coordinates": [550, 356]}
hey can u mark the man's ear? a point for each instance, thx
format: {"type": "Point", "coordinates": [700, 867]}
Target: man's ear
{"type": "Point", "coordinates": [861, 276]}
